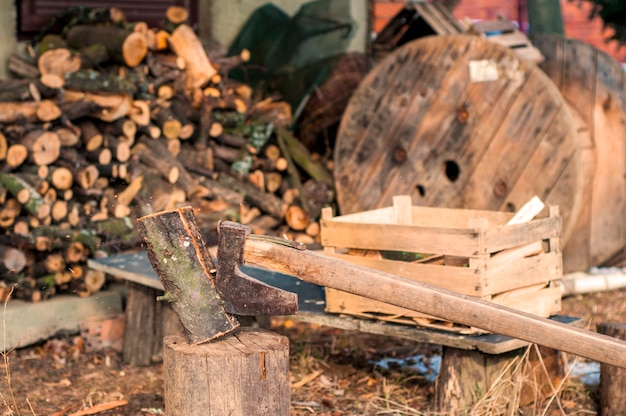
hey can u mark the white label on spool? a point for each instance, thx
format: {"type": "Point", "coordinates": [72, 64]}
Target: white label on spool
{"type": "Point", "coordinates": [483, 70]}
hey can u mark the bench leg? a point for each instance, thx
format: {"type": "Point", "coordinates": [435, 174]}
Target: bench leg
{"type": "Point", "coordinates": [469, 380]}
{"type": "Point", "coordinates": [147, 322]}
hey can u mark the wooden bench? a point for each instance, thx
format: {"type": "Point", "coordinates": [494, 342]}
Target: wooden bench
{"type": "Point", "coordinates": [470, 363]}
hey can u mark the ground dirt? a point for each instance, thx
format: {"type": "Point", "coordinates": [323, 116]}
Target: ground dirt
{"type": "Point", "coordinates": [332, 373]}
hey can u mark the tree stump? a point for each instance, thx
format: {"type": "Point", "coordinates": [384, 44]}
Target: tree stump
{"type": "Point", "coordinates": [243, 373]}
{"type": "Point", "coordinates": [612, 379]}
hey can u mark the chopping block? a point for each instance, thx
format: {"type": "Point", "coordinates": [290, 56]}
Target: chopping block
{"type": "Point", "coordinates": [243, 373]}
{"type": "Point", "coordinates": [215, 367]}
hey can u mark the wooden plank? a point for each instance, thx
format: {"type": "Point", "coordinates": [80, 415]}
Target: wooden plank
{"type": "Point", "coordinates": [458, 122]}
{"type": "Point", "coordinates": [460, 279]}
{"type": "Point", "coordinates": [577, 252]}
{"type": "Point", "coordinates": [530, 115]}
{"type": "Point", "coordinates": [497, 25]}
{"type": "Point", "coordinates": [608, 205]}
{"type": "Point", "coordinates": [406, 74]}
{"type": "Point", "coordinates": [522, 272]}
{"type": "Point", "coordinates": [467, 242]}
{"type": "Point", "coordinates": [439, 18]}
{"type": "Point", "coordinates": [503, 237]}
{"type": "Point", "coordinates": [553, 157]}
{"type": "Point", "coordinates": [513, 40]}
{"type": "Point", "coordinates": [490, 343]}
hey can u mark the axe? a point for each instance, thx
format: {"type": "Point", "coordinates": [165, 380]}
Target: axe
{"type": "Point", "coordinates": [244, 295]}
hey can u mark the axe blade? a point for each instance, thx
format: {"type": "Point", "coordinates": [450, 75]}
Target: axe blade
{"type": "Point", "coordinates": [241, 293]}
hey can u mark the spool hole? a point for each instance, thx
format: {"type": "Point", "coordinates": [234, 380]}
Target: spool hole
{"type": "Point", "coordinates": [452, 170]}
{"type": "Point", "coordinates": [420, 190]}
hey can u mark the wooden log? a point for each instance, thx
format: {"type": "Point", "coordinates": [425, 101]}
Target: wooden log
{"type": "Point", "coordinates": [69, 136]}
{"type": "Point", "coordinates": [84, 173]}
{"type": "Point", "coordinates": [28, 111]}
{"type": "Point", "coordinates": [12, 260]}
{"type": "Point", "coordinates": [91, 136]}
{"type": "Point", "coordinates": [140, 112]}
{"type": "Point", "coordinates": [16, 155]}
{"type": "Point", "coordinates": [57, 62]}
{"type": "Point", "coordinates": [297, 218]}
{"type": "Point", "coordinates": [186, 44]}
{"type": "Point", "coordinates": [179, 255]}
{"type": "Point", "coordinates": [113, 106]}
{"type": "Point", "coordinates": [176, 15]}
{"type": "Point", "coordinates": [167, 121]}
{"type": "Point", "coordinates": [157, 194]}
{"type": "Point", "coordinates": [196, 158]}
{"type": "Point", "coordinates": [32, 201]}
{"type": "Point", "coordinates": [4, 147]}
{"type": "Point", "coordinates": [185, 180]}
{"type": "Point", "coordinates": [266, 202]}
{"type": "Point", "coordinates": [43, 147]}
{"type": "Point", "coordinates": [612, 379]}
{"type": "Point", "coordinates": [121, 150]}
{"type": "Point", "coordinates": [23, 66]}
{"type": "Point", "coordinates": [148, 157]}
{"type": "Point", "coordinates": [61, 178]}
{"type": "Point", "coordinates": [123, 45]}
{"type": "Point", "coordinates": [79, 108]}
{"type": "Point", "coordinates": [223, 376]}
{"type": "Point", "coordinates": [24, 90]}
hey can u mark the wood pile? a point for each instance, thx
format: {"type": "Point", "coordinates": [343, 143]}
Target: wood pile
{"type": "Point", "coordinates": [110, 120]}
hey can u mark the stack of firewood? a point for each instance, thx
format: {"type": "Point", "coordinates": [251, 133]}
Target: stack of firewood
{"type": "Point", "coordinates": [108, 121]}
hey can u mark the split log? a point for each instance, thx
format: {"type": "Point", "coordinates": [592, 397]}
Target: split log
{"type": "Point", "coordinates": [186, 44]}
{"type": "Point", "coordinates": [178, 253]}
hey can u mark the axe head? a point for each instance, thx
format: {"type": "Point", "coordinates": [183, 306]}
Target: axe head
{"type": "Point", "coordinates": [243, 294]}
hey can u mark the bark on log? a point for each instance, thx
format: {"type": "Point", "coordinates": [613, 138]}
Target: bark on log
{"type": "Point", "coordinates": [266, 202]}
{"type": "Point", "coordinates": [243, 373]}
{"type": "Point", "coordinates": [123, 45]}
{"type": "Point", "coordinates": [179, 255]}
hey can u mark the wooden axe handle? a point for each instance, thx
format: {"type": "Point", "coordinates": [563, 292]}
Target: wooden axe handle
{"type": "Point", "coordinates": [385, 287]}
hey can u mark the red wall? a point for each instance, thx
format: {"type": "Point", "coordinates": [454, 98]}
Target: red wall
{"type": "Point", "coordinates": [575, 18]}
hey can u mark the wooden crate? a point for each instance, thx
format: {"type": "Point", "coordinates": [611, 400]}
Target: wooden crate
{"type": "Point", "coordinates": [472, 252]}
{"type": "Point", "coordinates": [505, 33]}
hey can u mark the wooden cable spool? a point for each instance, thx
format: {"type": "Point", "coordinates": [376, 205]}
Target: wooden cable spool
{"type": "Point", "coordinates": [593, 83]}
{"type": "Point", "coordinates": [461, 122]}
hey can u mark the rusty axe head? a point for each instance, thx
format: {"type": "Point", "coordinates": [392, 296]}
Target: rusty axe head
{"type": "Point", "coordinates": [243, 294]}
